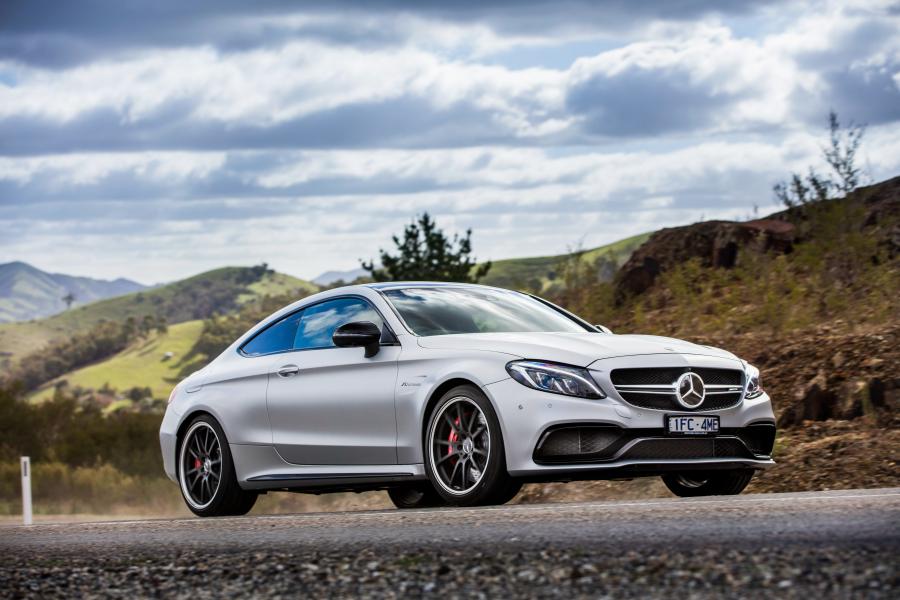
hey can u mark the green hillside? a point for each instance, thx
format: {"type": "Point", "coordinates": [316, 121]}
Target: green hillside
{"type": "Point", "coordinates": [538, 273]}
{"type": "Point", "coordinates": [154, 362]}
{"type": "Point", "coordinates": [219, 291]}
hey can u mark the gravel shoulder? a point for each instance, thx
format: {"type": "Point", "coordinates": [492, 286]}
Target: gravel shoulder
{"type": "Point", "coordinates": [840, 544]}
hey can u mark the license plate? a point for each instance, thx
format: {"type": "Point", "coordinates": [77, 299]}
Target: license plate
{"type": "Point", "coordinates": [692, 425]}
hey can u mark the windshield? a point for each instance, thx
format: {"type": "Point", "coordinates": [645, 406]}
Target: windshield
{"type": "Point", "coordinates": [443, 310]}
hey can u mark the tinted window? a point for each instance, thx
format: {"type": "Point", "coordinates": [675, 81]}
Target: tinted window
{"type": "Point", "coordinates": [443, 310]}
{"type": "Point", "coordinates": [317, 323]}
{"type": "Point", "coordinates": [276, 338]}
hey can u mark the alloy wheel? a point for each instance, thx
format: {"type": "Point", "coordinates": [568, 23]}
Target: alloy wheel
{"type": "Point", "coordinates": [200, 465]}
{"type": "Point", "coordinates": [460, 445]}
{"type": "Point", "coordinates": [690, 482]}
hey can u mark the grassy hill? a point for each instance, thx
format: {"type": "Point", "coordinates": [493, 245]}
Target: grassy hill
{"type": "Point", "coordinates": [539, 273]}
{"type": "Point", "coordinates": [222, 290]}
{"type": "Point", "coordinates": [154, 362]}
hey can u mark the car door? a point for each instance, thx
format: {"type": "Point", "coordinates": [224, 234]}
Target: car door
{"type": "Point", "coordinates": [237, 385]}
{"type": "Point", "coordinates": [330, 405]}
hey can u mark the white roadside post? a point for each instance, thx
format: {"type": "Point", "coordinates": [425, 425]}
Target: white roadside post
{"type": "Point", "coordinates": [26, 490]}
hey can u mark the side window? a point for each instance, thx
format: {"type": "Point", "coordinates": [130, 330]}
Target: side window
{"type": "Point", "coordinates": [275, 338]}
{"type": "Point", "coordinates": [317, 323]}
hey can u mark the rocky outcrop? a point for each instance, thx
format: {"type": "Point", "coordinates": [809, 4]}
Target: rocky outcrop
{"type": "Point", "coordinates": [821, 399]}
{"type": "Point", "coordinates": [719, 243]}
{"type": "Point", "coordinates": [826, 373]}
{"type": "Point", "coordinates": [715, 243]}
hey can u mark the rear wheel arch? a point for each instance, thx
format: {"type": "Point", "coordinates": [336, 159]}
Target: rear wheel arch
{"type": "Point", "coordinates": [226, 497]}
{"type": "Point", "coordinates": [186, 422]}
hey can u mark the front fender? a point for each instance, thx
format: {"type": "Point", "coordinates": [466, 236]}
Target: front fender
{"type": "Point", "coordinates": [418, 380]}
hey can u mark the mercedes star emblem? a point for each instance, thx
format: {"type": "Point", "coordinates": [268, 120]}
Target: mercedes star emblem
{"type": "Point", "coordinates": [689, 390]}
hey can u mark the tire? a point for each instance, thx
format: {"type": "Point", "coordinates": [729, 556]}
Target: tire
{"type": "Point", "coordinates": [503, 496]}
{"type": "Point", "coordinates": [206, 472]}
{"type": "Point", "coordinates": [415, 496]}
{"type": "Point", "coordinates": [713, 483]}
{"type": "Point", "coordinates": [464, 454]}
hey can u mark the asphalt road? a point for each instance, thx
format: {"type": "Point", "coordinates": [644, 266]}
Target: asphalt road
{"type": "Point", "coordinates": [833, 544]}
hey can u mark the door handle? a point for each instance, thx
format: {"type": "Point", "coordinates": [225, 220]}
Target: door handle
{"type": "Point", "coordinates": [288, 371]}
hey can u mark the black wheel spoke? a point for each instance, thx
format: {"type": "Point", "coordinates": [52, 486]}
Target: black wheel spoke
{"type": "Point", "coordinates": [451, 424]}
{"type": "Point", "coordinates": [472, 420]}
{"type": "Point", "coordinates": [453, 474]}
{"type": "Point", "coordinates": [201, 465]}
{"type": "Point", "coordinates": [455, 428]}
{"type": "Point", "coordinates": [445, 459]}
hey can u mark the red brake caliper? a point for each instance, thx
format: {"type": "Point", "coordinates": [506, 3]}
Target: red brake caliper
{"type": "Point", "coordinates": [453, 437]}
{"type": "Point", "coordinates": [197, 463]}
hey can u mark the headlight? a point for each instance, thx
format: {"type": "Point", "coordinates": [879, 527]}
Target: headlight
{"type": "Point", "coordinates": [555, 378]}
{"type": "Point", "coordinates": [754, 387]}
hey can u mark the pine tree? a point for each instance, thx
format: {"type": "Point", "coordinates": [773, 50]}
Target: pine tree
{"type": "Point", "coordinates": [426, 254]}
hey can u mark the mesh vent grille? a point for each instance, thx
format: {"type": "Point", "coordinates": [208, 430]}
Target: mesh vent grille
{"type": "Point", "coordinates": [759, 438]}
{"type": "Point", "coordinates": [578, 441]}
{"type": "Point", "coordinates": [682, 448]}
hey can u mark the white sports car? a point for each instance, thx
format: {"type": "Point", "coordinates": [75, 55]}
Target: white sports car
{"type": "Point", "coordinates": [446, 393]}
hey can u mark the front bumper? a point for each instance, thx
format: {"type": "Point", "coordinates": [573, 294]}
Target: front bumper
{"type": "Point", "coordinates": [527, 415]}
{"type": "Point", "coordinates": [168, 433]}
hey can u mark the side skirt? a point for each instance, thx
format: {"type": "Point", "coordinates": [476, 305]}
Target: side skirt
{"type": "Point", "coordinates": [314, 483]}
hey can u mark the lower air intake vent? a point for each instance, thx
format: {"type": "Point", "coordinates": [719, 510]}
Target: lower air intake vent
{"type": "Point", "coordinates": [577, 443]}
{"type": "Point", "coordinates": [760, 438]}
{"type": "Point", "coordinates": [682, 448]}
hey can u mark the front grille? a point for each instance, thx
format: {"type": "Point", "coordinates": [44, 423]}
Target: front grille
{"type": "Point", "coordinates": [654, 388]}
{"type": "Point", "coordinates": [668, 401]}
{"type": "Point", "coordinates": [668, 375]}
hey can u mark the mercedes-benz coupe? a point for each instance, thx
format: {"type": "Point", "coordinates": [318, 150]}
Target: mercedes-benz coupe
{"type": "Point", "coordinates": [456, 394]}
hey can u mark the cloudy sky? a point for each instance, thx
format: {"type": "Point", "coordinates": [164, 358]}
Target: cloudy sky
{"type": "Point", "coordinates": [155, 140]}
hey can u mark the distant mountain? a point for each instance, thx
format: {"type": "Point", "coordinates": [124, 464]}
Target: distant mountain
{"type": "Point", "coordinates": [27, 292]}
{"type": "Point", "coordinates": [329, 277]}
{"type": "Point", "coordinates": [215, 292]}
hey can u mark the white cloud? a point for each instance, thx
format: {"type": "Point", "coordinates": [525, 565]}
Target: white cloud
{"type": "Point", "coordinates": [87, 169]}
{"type": "Point", "coordinates": [649, 127]}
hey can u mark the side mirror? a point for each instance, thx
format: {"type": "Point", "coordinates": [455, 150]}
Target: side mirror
{"type": "Point", "coordinates": [362, 334]}
{"type": "Point", "coordinates": [603, 329]}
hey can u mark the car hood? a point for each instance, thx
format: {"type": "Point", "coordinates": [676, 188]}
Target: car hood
{"type": "Point", "coordinates": [579, 349]}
